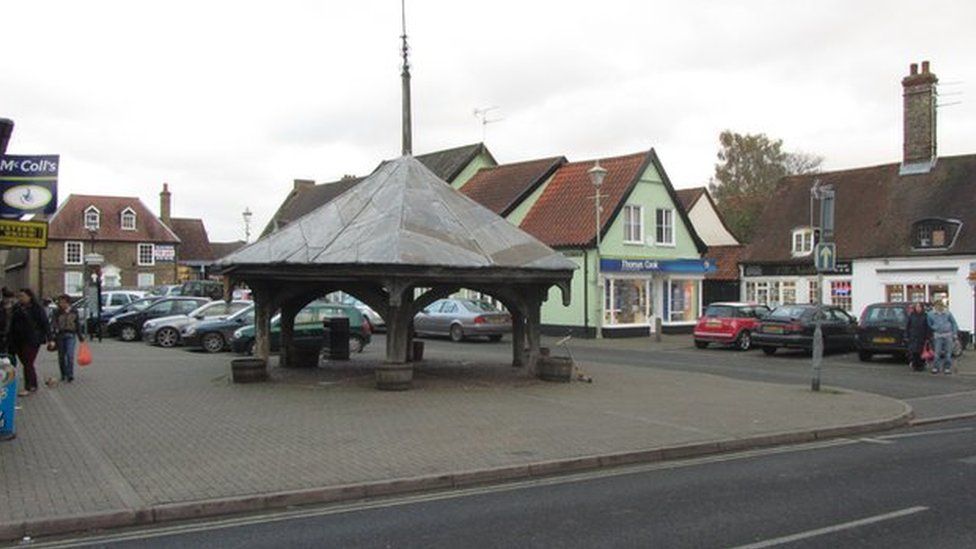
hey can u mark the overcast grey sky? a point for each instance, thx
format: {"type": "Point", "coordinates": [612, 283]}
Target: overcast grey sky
{"type": "Point", "coordinates": [230, 101]}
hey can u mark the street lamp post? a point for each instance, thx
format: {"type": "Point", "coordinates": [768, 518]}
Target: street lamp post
{"type": "Point", "coordinates": [247, 224]}
{"type": "Point", "coordinates": [94, 262]}
{"type": "Point", "coordinates": [597, 173]}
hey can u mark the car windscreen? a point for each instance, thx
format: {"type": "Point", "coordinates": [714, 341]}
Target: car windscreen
{"type": "Point", "coordinates": [478, 306]}
{"type": "Point", "coordinates": [719, 311]}
{"type": "Point", "coordinates": [787, 312]}
{"type": "Point", "coordinates": [886, 315]}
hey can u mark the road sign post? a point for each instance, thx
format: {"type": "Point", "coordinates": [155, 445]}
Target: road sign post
{"type": "Point", "coordinates": [825, 260]}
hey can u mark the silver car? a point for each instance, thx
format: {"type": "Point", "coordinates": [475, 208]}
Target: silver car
{"type": "Point", "coordinates": [165, 331]}
{"type": "Point", "coordinates": [462, 318]}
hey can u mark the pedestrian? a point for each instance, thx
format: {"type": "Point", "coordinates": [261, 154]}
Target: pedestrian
{"type": "Point", "coordinates": [30, 330]}
{"type": "Point", "coordinates": [7, 303]}
{"type": "Point", "coordinates": [67, 332]}
{"type": "Point", "coordinates": [918, 332]}
{"type": "Point", "coordinates": [944, 332]}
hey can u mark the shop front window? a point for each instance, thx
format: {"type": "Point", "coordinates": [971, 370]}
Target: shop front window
{"type": "Point", "coordinates": [939, 292]}
{"type": "Point", "coordinates": [789, 293]}
{"type": "Point", "coordinates": [683, 300]}
{"type": "Point", "coordinates": [840, 294]}
{"type": "Point", "coordinates": [629, 301]}
{"type": "Point", "coordinates": [916, 293]}
{"type": "Point", "coordinates": [814, 296]}
{"type": "Point", "coordinates": [894, 293]}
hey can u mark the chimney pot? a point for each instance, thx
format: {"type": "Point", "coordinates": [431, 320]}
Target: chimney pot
{"type": "Point", "coordinates": [919, 148]}
{"type": "Point", "coordinates": [913, 69]}
{"type": "Point", "coordinates": [925, 67]}
{"type": "Point", "coordinates": [165, 204]}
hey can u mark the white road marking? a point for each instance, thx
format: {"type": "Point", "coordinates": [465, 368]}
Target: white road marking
{"type": "Point", "coordinates": [876, 440]}
{"type": "Point", "coordinates": [944, 395]}
{"type": "Point", "coordinates": [969, 461]}
{"type": "Point", "coordinates": [925, 433]}
{"type": "Point", "coordinates": [835, 528]}
{"type": "Point", "coordinates": [272, 516]}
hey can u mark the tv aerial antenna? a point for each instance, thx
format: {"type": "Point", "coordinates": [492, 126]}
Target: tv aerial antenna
{"type": "Point", "coordinates": [484, 115]}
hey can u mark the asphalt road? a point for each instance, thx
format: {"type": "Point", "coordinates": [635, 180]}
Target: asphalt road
{"type": "Point", "coordinates": [883, 375]}
{"type": "Point", "coordinates": [910, 488]}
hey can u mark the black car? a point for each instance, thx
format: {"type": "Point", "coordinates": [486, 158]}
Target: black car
{"type": "Point", "coordinates": [792, 326]}
{"type": "Point", "coordinates": [883, 330]}
{"type": "Point", "coordinates": [128, 326]}
{"type": "Point", "coordinates": [215, 335]}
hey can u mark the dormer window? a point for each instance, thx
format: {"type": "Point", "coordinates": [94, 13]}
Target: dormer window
{"type": "Point", "coordinates": [92, 218]}
{"type": "Point", "coordinates": [802, 241]}
{"type": "Point", "coordinates": [935, 233]}
{"type": "Point", "coordinates": [128, 219]}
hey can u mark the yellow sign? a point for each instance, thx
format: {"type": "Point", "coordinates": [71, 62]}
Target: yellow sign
{"type": "Point", "coordinates": [23, 234]}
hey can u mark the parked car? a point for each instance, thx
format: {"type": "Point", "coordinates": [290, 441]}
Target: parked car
{"type": "Point", "coordinates": [730, 323]}
{"type": "Point", "coordinates": [128, 326]}
{"type": "Point", "coordinates": [376, 322]}
{"type": "Point", "coordinates": [114, 300]}
{"type": "Point", "coordinates": [792, 327]}
{"type": "Point", "coordinates": [166, 331]}
{"type": "Point", "coordinates": [135, 305]}
{"type": "Point", "coordinates": [203, 288]}
{"type": "Point", "coordinates": [214, 335]}
{"type": "Point", "coordinates": [883, 330]}
{"type": "Point", "coordinates": [309, 328]}
{"type": "Point", "coordinates": [462, 318]}
{"type": "Point", "coordinates": [167, 290]}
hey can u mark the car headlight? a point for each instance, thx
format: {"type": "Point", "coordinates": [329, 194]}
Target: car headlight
{"type": "Point", "coordinates": [189, 330]}
{"type": "Point", "coordinates": [149, 325]}
{"type": "Point", "coordinates": [238, 333]}
{"type": "Point", "coordinates": [113, 320]}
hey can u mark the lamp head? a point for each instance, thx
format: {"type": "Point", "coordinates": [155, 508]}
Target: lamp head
{"type": "Point", "coordinates": [597, 173]}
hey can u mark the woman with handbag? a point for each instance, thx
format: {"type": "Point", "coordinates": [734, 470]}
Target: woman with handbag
{"type": "Point", "coordinates": [29, 331]}
{"type": "Point", "coordinates": [918, 332]}
{"type": "Point", "coordinates": [67, 332]}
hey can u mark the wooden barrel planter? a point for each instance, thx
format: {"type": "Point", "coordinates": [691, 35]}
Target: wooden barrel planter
{"type": "Point", "coordinates": [248, 370]}
{"type": "Point", "coordinates": [394, 377]}
{"type": "Point", "coordinates": [555, 368]}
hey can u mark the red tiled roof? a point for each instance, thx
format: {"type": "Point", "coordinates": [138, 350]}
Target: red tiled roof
{"type": "Point", "coordinates": [193, 236]}
{"type": "Point", "coordinates": [875, 209]}
{"type": "Point", "coordinates": [68, 223]}
{"type": "Point", "coordinates": [502, 188]}
{"type": "Point", "coordinates": [220, 249]}
{"type": "Point", "coordinates": [564, 215]}
{"type": "Point", "coordinates": [688, 197]}
{"type": "Point", "coordinates": [726, 260]}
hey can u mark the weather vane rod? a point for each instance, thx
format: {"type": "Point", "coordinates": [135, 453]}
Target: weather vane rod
{"type": "Point", "coordinates": [405, 78]}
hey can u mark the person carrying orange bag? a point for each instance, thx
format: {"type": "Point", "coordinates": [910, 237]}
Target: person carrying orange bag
{"type": "Point", "coordinates": [67, 331]}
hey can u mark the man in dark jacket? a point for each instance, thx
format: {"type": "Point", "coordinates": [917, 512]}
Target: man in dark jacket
{"type": "Point", "coordinates": [918, 333]}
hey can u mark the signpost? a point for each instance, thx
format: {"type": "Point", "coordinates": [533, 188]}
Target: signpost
{"type": "Point", "coordinates": [825, 260]}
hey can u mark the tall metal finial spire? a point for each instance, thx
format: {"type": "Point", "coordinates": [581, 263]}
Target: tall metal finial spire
{"type": "Point", "coordinates": [405, 78]}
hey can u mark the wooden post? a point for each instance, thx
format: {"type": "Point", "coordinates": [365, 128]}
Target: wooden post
{"type": "Point", "coordinates": [534, 333]}
{"type": "Point", "coordinates": [287, 357]}
{"type": "Point", "coordinates": [518, 338]}
{"type": "Point", "coordinates": [262, 324]}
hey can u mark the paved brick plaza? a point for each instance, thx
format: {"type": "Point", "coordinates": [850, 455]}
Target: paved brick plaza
{"type": "Point", "coordinates": [145, 426]}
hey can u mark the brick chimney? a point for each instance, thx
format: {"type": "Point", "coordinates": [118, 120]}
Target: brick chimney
{"type": "Point", "coordinates": [303, 184]}
{"type": "Point", "coordinates": [165, 205]}
{"type": "Point", "coordinates": [919, 147]}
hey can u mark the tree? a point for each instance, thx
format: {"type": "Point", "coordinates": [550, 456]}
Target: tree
{"type": "Point", "coordinates": [746, 175]}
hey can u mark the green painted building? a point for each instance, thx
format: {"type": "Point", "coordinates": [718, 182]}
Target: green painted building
{"type": "Point", "coordinates": [648, 266]}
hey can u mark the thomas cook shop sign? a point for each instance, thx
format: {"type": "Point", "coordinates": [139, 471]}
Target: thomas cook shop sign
{"type": "Point", "coordinates": [28, 184]}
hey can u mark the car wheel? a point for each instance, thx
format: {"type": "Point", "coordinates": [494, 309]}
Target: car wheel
{"type": "Point", "coordinates": [769, 350]}
{"type": "Point", "coordinates": [744, 341]}
{"type": "Point", "coordinates": [167, 337]}
{"type": "Point", "coordinates": [864, 356]}
{"type": "Point", "coordinates": [213, 343]}
{"type": "Point", "coordinates": [495, 338]}
{"type": "Point", "coordinates": [128, 333]}
{"type": "Point", "coordinates": [701, 344]}
{"type": "Point", "coordinates": [355, 345]}
{"type": "Point", "coordinates": [457, 333]}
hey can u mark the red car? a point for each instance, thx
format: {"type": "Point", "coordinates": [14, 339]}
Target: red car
{"type": "Point", "coordinates": [729, 324]}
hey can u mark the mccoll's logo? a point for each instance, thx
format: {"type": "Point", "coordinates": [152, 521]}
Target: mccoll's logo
{"type": "Point", "coordinates": [28, 165]}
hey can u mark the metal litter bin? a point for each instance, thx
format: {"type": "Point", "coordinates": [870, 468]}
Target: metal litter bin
{"type": "Point", "coordinates": [8, 399]}
{"type": "Point", "coordinates": [336, 344]}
